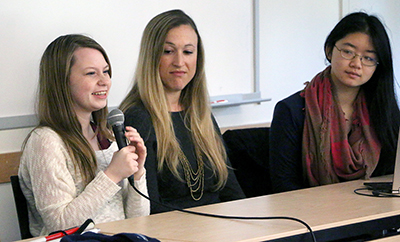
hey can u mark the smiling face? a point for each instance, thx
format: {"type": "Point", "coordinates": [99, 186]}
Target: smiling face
{"type": "Point", "coordinates": [352, 73]}
{"type": "Point", "coordinates": [178, 62]}
{"type": "Point", "coordinates": [90, 81]}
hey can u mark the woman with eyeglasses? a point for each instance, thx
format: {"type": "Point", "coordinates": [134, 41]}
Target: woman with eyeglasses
{"type": "Point", "coordinates": [344, 124]}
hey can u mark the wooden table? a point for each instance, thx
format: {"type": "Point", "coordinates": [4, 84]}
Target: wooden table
{"type": "Point", "coordinates": [332, 211]}
{"type": "Point", "coordinates": [389, 239]}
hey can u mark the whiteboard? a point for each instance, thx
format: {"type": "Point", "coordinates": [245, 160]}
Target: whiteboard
{"type": "Point", "coordinates": [226, 27]}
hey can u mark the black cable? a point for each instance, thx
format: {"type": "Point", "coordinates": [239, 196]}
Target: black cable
{"type": "Point", "coordinates": [225, 216]}
{"type": "Point", "coordinates": [374, 193]}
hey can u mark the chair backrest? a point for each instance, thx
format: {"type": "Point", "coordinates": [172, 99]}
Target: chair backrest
{"type": "Point", "coordinates": [22, 208]}
{"type": "Point", "coordinates": [248, 152]}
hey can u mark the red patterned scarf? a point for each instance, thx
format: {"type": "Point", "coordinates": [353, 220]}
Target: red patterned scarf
{"type": "Point", "coordinates": [331, 155]}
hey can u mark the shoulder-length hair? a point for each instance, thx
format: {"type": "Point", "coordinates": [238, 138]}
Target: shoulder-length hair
{"type": "Point", "coordinates": [55, 104]}
{"type": "Point", "coordinates": [148, 89]}
{"type": "Point", "coordinates": [379, 90]}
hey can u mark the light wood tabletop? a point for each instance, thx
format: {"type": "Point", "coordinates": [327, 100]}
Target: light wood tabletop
{"type": "Point", "coordinates": [321, 207]}
{"type": "Point", "coordinates": [395, 238]}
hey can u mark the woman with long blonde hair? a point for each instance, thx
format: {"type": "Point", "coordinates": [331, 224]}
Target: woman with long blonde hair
{"type": "Point", "coordinates": [169, 106]}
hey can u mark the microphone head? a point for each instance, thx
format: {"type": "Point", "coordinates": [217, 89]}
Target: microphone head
{"type": "Point", "coordinates": [115, 117]}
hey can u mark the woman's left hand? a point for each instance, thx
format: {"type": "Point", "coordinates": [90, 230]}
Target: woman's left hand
{"type": "Point", "coordinates": [136, 140]}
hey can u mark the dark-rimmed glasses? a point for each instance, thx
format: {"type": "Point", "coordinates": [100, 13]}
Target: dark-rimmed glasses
{"type": "Point", "coordinates": [365, 60]}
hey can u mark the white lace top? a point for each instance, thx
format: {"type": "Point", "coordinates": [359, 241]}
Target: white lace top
{"type": "Point", "coordinates": [56, 196]}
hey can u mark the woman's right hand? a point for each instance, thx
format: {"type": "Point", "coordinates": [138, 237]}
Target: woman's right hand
{"type": "Point", "coordinates": [123, 164]}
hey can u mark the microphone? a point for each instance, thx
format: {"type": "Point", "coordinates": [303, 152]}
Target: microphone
{"type": "Point", "coordinates": [116, 119]}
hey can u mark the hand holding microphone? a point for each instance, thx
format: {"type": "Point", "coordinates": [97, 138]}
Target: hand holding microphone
{"type": "Point", "coordinates": [136, 141]}
{"type": "Point", "coordinates": [130, 159]}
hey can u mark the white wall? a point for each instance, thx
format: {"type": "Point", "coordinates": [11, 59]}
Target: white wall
{"type": "Point", "coordinates": [9, 230]}
{"type": "Point", "coordinates": [292, 35]}
{"type": "Point", "coordinates": [29, 26]}
{"type": "Point", "coordinates": [294, 31]}
{"type": "Point", "coordinates": [11, 141]}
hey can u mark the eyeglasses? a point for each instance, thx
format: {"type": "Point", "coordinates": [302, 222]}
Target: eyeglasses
{"type": "Point", "coordinates": [365, 60]}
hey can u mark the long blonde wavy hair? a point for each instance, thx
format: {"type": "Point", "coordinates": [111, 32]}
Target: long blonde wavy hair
{"type": "Point", "coordinates": [55, 104]}
{"type": "Point", "coordinates": [148, 89]}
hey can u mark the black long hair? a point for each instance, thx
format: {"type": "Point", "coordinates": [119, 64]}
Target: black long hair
{"type": "Point", "coordinates": [379, 90]}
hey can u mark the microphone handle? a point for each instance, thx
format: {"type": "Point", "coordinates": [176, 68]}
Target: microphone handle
{"type": "Point", "coordinates": [119, 133]}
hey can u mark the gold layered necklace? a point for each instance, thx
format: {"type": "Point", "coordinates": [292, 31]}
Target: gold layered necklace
{"type": "Point", "coordinates": [194, 179]}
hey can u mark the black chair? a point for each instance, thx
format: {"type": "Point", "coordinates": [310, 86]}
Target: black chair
{"type": "Point", "coordinates": [248, 152]}
{"type": "Point", "coordinates": [22, 208]}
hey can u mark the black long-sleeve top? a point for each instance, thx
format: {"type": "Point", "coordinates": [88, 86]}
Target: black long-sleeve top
{"type": "Point", "coordinates": [164, 186]}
